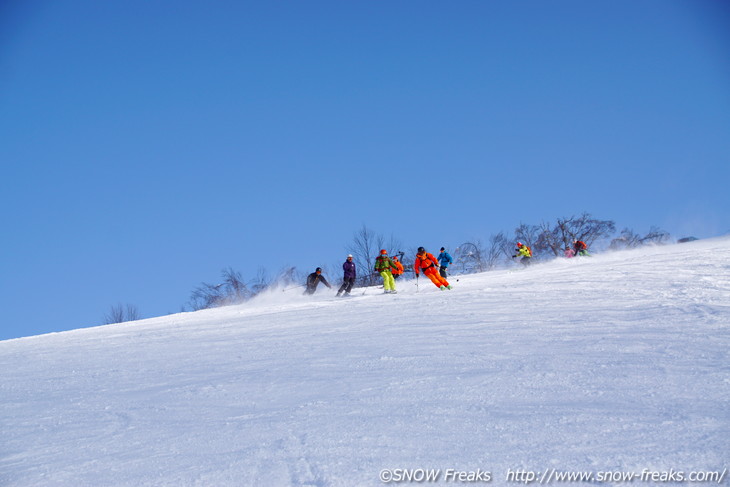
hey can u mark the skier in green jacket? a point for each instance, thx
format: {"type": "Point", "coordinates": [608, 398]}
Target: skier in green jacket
{"type": "Point", "coordinates": [385, 267]}
{"type": "Point", "coordinates": [524, 252]}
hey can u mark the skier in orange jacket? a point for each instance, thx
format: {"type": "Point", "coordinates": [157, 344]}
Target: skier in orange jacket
{"type": "Point", "coordinates": [398, 271]}
{"type": "Point", "coordinates": [429, 265]}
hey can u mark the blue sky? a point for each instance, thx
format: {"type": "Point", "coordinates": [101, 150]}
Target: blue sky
{"type": "Point", "coordinates": [145, 146]}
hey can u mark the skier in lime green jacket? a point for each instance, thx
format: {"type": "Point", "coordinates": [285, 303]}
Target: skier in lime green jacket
{"type": "Point", "coordinates": [525, 252]}
{"type": "Point", "coordinates": [385, 267]}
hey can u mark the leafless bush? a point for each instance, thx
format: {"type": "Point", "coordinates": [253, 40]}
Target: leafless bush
{"type": "Point", "coordinates": [630, 239]}
{"type": "Point", "coordinates": [365, 246]}
{"type": "Point", "coordinates": [232, 290]}
{"type": "Point", "coordinates": [121, 313]}
{"type": "Point", "coordinates": [555, 238]}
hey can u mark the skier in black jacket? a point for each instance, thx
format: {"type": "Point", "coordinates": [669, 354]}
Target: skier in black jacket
{"type": "Point", "coordinates": [313, 280]}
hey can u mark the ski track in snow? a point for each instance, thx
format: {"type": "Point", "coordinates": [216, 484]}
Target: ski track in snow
{"type": "Point", "coordinates": [617, 362]}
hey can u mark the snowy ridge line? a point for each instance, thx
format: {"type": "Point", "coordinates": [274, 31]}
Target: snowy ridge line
{"type": "Point", "coordinates": [274, 301]}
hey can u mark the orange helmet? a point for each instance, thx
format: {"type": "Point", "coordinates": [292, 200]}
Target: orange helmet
{"type": "Point", "coordinates": [519, 244]}
{"type": "Point", "coordinates": [383, 252]}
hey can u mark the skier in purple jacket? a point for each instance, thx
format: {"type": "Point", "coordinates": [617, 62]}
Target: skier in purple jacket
{"type": "Point", "coordinates": [349, 279]}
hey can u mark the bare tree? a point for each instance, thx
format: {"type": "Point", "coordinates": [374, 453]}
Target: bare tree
{"type": "Point", "coordinates": [551, 239]}
{"type": "Point", "coordinates": [206, 296]}
{"type": "Point", "coordinates": [115, 315]}
{"type": "Point", "coordinates": [364, 249]}
{"type": "Point", "coordinates": [288, 276]}
{"type": "Point", "coordinates": [234, 289]}
{"type": "Point", "coordinates": [585, 228]}
{"type": "Point", "coordinates": [394, 246]}
{"type": "Point", "coordinates": [630, 239]}
{"type": "Point", "coordinates": [500, 246]}
{"type": "Point", "coordinates": [469, 257]}
{"type": "Point", "coordinates": [260, 282]}
{"type": "Point", "coordinates": [121, 314]}
{"type": "Point", "coordinates": [132, 313]}
{"type": "Point", "coordinates": [555, 238]}
{"type": "Point", "coordinates": [656, 236]}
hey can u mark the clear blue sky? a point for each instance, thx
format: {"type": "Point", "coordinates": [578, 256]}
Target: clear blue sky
{"type": "Point", "coordinates": [147, 145]}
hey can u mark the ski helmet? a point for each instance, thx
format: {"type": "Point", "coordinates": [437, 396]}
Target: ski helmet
{"type": "Point", "coordinates": [383, 252]}
{"type": "Point", "coordinates": [319, 269]}
{"type": "Point", "coordinates": [421, 250]}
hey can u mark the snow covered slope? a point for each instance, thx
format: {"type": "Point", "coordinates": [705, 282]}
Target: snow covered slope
{"type": "Point", "coordinates": [616, 364]}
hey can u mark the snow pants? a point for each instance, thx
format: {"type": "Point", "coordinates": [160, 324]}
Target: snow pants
{"type": "Point", "coordinates": [347, 284]}
{"type": "Point", "coordinates": [388, 281]}
{"type": "Point", "coordinates": [435, 277]}
{"type": "Point", "coordinates": [310, 289]}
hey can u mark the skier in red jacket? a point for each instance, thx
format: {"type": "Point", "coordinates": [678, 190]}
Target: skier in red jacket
{"type": "Point", "coordinates": [580, 247]}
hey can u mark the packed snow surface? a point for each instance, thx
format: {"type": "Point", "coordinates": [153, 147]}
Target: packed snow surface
{"type": "Point", "coordinates": [616, 363]}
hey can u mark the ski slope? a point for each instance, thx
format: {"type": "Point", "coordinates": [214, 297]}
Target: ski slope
{"type": "Point", "coordinates": [615, 364]}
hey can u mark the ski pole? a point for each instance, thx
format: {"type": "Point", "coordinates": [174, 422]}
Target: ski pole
{"type": "Point", "coordinates": [290, 288]}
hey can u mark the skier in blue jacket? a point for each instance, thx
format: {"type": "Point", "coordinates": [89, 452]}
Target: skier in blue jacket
{"type": "Point", "coordinates": [444, 259]}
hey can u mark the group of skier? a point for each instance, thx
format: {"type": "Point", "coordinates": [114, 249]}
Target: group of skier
{"type": "Point", "coordinates": [523, 251]}
{"type": "Point", "coordinates": [579, 249]}
{"type": "Point", "coordinates": [435, 268]}
{"type": "Point", "coordinates": [390, 269]}
{"type": "Point", "coordinates": [432, 267]}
